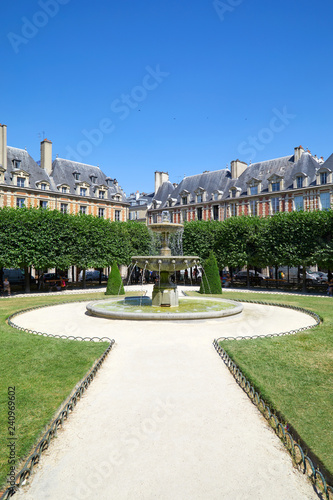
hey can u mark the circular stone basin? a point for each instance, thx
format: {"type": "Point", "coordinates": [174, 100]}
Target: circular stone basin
{"type": "Point", "coordinates": [188, 309]}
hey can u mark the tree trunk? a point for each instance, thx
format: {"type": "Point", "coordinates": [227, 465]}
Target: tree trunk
{"type": "Point", "coordinates": [84, 278]}
{"type": "Point", "coordinates": [248, 276]}
{"type": "Point", "coordinates": [100, 276]}
{"type": "Point", "coordinates": [304, 278]}
{"type": "Point", "coordinates": [26, 279]}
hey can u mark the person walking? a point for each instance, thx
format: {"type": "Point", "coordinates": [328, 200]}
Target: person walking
{"type": "Point", "coordinates": [6, 286]}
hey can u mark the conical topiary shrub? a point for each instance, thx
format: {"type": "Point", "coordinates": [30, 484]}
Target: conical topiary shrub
{"type": "Point", "coordinates": [210, 282]}
{"type": "Point", "coordinates": [115, 283]}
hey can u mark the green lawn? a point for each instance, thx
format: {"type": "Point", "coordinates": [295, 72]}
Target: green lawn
{"type": "Point", "coordinates": [43, 370]}
{"type": "Point", "coordinates": [294, 374]}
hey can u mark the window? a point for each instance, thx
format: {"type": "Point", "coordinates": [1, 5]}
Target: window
{"type": "Point", "coordinates": [233, 209]}
{"type": "Point", "coordinates": [199, 198]}
{"type": "Point", "coordinates": [233, 193]}
{"type": "Point", "coordinates": [216, 212]}
{"type": "Point", "coordinates": [43, 186]}
{"type": "Point", "coordinates": [184, 200]}
{"type": "Point", "coordinates": [298, 200]}
{"type": "Point", "coordinates": [83, 191]}
{"type": "Point", "coordinates": [16, 163]}
{"type": "Point", "coordinates": [93, 178]}
{"type": "Point", "coordinates": [64, 189]}
{"type": "Point", "coordinates": [83, 209]}
{"type": "Point", "coordinates": [184, 215]}
{"type": "Point", "coordinates": [199, 213]}
{"type": "Point", "coordinates": [43, 204]}
{"type": "Point", "coordinates": [117, 214]}
{"type": "Point", "coordinates": [215, 196]}
{"type": "Point", "coordinates": [323, 178]}
{"type": "Point", "coordinates": [101, 212]}
{"type": "Point", "coordinates": [275, 204]}
{"type": "Point", "coordinates": [108, 182]}
{"type": "Point", "coordinates": [325, 201]}
{"type": "Point", "coordinates": [20, 202]}
{"type": "Point", "coordinates": [254, 190]}
{"type": "Point", "coordinates": [299, 182]}
{"type": "Point", "coordinates": [253, 207]}
{"type": "Point", "coordinates": [102, 195]}
{"type": "Point", "coordinates": [276, 186]}
{"type": "Point", "coordinates": [20, 182]}
{"type": "Point", "coordinates": [76, 175]}
{"type": "Point", "coordinates": [63, 208]}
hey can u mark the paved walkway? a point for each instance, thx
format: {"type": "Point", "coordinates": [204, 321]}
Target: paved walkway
{"type": "Point", "coordinates": [164, 418]}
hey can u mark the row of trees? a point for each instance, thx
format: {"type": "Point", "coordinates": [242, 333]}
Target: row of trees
{"type": "Point", "coordinates": [46, 239]}
{"type": "Point", "coordinates": [286, 239]}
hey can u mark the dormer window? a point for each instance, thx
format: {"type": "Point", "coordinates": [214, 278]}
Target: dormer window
{"type": "Point", "coordinates": [64, 189]}
{"type": "Point", "coordinates": [200, 195]}
{"type": "Point", "coordinates": [253, 190]}
{"type": "Point", "coordinates": [276, 186]}
{"type": "Point", "coordinates": [108, 181]}
{"type": "Point", "coordinates": [83, 191]}
{"type": "Point", "coordinates": [234, 192]}
{"type": "Point", "coordinates": [184, 200]}
{"type": "Point", "coordinates": [16, 163]}
{"type": "Point", "coordinates": [101, 195]}
{"type": "Point", "coordinates": [93, 178]}
{"type": "Point", "coordinates": [299, 182]}
{"type": "Point", "coordinates": [20, 181]}
{"type": "Point", "coordinates": [76, 175]}
{"type": "Point", "coordinates": [43, 186]}
{"type": "Point", "coordinates": [323, 178]}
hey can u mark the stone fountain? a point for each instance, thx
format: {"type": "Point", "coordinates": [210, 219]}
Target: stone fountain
{"type": "Point", "coordinates": [164, 304]}
{"type": "Point", "coordinates": [165, 292]}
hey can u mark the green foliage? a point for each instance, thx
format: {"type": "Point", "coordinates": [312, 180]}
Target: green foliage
{"type": "Point", "coordinates": [115, 284]}
{"type": "Point", "coordinates": [211, 282]}
{"type": "Point", "coordinates": [139, 238]}
{"type": "Point", "coordinates": [199, 237]}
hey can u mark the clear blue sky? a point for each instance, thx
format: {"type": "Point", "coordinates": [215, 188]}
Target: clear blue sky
{"type": "Point", "coordinates": [180, 86]}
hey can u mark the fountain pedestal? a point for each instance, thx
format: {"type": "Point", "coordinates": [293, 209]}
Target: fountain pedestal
{"type": "Point", "coordinates": [165, 293]}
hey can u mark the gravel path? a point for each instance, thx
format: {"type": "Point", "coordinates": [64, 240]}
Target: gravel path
{"type": "Point", "coordinates": [164, 418]}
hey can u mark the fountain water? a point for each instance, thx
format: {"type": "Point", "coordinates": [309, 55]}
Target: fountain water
{"type": "Point", "coordinates": [165, 292]}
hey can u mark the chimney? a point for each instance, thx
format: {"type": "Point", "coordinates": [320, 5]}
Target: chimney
{"type": "Point", "coordinates": [160, 178]}
{"type": "Point", "coordinates": [3, 146]}
{"type": "Point", "coordinates": [46, 156]}
{"type": "Point", "coordinates": [137, 195]}
{"type": "Point", "coordinates": [298, 153]}
{"type": "Point", "coordinates": [237, 168]}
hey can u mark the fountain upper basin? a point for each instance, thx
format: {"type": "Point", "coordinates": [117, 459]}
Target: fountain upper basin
{"type": "Point", "coordinates": [161, 263]}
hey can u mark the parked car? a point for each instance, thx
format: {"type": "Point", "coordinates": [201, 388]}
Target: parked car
{"type": "Point", "coordinates": [312, 277]}
{"type": "Point", "coordinates": [16, 276]}
{"type": "Point", "coordinates": [92, 276]}
{"type": "Point", "coordinates": [254, 278]}
{"type": "Point", "coordinates": [323, 277]}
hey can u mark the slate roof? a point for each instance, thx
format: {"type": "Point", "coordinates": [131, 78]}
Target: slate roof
{"type": "Point", "coordinates": [62, 173]}
{"type": "Point", "coordinates": [163, 192]}
{"type": "Point", "coordinates": [63, 170]}
{"type": "Point", "coordinates": [28, 164]}
{"type": "Point", "coordinates": [221, 180]}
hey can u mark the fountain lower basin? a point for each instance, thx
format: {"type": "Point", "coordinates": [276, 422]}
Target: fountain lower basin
{"type": "Point", "coordinates": [189, 308]}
